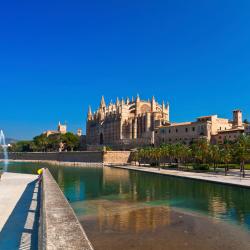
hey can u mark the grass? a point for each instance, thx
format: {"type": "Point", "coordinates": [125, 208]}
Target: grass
{"type": "Point", "coordinates": [234, 166]}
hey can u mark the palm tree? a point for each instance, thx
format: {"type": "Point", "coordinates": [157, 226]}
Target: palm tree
{"type": "Point", "coordinates": [165, 153]}
{"type": "Point", "coordinates": [171, 152]}
{"type": "Point", "coordinates": [214, 155]}
{"type": "Point", "coordinates": [134, 157]}
{"type": "Point", "coordinates": [179, 153]}
{"type": "Point", "coordinates": [200, 150]}
{"type": "Point", "coordinates": [226, 156]}
{"type": "Point", "coordinates": [242, 152]}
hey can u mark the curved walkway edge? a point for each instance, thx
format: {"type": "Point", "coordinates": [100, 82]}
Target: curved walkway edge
{"type": "Point", "coordinates": [233, 178]}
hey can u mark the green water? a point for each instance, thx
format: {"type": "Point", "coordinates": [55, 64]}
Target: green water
{"type": "Point", "coordinates": [100, 196]}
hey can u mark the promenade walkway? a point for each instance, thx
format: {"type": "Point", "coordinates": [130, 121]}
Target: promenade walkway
{"type": "Point", "coordinates": [19, 211]}
{"type": "Point", "coordinates": [233, 177]}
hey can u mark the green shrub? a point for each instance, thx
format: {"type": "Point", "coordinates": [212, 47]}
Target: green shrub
{"type": "Point", "coordinates": [201, 167]}
{"type": "Point", "coordinates": [172, 166]}
{"type": "Point", "coordinates": [154, 164]}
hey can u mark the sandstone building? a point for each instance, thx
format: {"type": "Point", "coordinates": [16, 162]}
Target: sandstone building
{"type": "Point", "coordinates": [247, 129]}
{"type": "Point", "coordinates": [212, 128]}
{"type": "Point", "coordinates": [61, 129]}
{"type": "Point", "coordinates": [125, 123]}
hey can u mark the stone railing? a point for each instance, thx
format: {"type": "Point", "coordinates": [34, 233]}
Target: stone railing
{"type": "Point", "coordinates": [59, 226]}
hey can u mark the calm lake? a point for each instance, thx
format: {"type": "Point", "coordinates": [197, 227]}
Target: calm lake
{"type": "Point", "coordinates": [122, 209]}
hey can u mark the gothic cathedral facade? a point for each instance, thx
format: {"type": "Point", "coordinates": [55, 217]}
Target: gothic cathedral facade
{"type": "Point", "coordinates": [126, 123]}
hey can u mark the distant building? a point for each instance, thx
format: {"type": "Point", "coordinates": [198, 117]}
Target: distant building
{"type": "Point", "coordinates": [125, 123]}
{"type": "Point", "coordinates": [61, 129]}
{"type": "Point", "coordinates": [247, 129]}
{"type": "Point", "coordinates": [212, 128]}
{"type": "Point", "coordinates": [79, 132]}
{"type": "Point", "coordinates": [228, 135]}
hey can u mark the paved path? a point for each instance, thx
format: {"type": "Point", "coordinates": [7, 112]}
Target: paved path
{"type": "Point", "coordinates": [233, 177]}
{"type": "Point", "coordinates": [19, 211]}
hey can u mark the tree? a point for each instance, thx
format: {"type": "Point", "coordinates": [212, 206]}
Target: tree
{"type": "Point", "coordinates": [226, 156]}
{"type": "Point", "coordinates": [180, 153]}
{"type": "Point", "coordinates": [22, 146]}
{"type": "Point", "coordinates": [41, 142]}
{"type": "Point", "coordinates": [165, 152]}
{"type": "Point", "coordinates": [246, 121]}
{"type": "Point", "coordinates": [54, 142]}
{"type": "Point", "coordinates": [134, 156]}
{"type": "Point", "coordinates": [71, 141]}
{"type": "Point", "coordinates": [214, 155]}
{"type": "Point", "coordinates": [200, 150]}
{"type": "Point", "coordinates": [242, 152]}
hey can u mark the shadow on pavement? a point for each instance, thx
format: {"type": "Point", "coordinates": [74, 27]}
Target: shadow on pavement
{"type": "Point", "coordinates": [21, 229]}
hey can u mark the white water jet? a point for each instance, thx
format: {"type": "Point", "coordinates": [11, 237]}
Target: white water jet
{"type": "Point", "coordinates": [5, 150]}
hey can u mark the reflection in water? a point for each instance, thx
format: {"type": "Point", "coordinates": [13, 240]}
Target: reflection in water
{"type": "Point", "coordinates": [146, 219]}
{"type": "Point", "coordinates": [115, 175]}
{"type": "Point", "coordinates": [217, 207]}
{"type": "Point", "coordinates": [117, 200]}
{"type": "Point", "coordinates": [116, 225]}
{"type": "Point", "coordinates": [124, 216]}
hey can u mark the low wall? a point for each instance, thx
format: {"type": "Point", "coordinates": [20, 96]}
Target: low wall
{"type": "Point", "coordinates": [116, 157]}
{"type": "Point", "coordinates": [85, 156]}
{"type": "Point", "coordinates": [59, 226]}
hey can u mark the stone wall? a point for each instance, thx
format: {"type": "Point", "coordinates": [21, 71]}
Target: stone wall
{"type": "Point", "coordinates": [59, 226]}
{"type": "Point", "coordinates": [58, 156]}
{"type": "Point", "coordinates": [116, 157]}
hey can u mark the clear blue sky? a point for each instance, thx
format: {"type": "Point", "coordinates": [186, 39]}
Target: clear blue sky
{"type": "Point", "coordinates": [57, 57]}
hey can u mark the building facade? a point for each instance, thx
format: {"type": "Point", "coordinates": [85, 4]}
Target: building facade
{"type": "Point", "coordinates": [247, 129]}
{"type": "Point", "coordinates": [126, 123]}
{"type": "Point", "coordinates": [61, 129]}
{"type": "Point", "coordinates": [212, 128]}
{"type": "Point", "coordinates": [228, 135]}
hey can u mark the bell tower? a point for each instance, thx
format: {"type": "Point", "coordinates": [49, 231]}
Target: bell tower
{"type": "Point", "coordinates": [62, 128]}
{"type": "Point", "coordinates": [237, 118]}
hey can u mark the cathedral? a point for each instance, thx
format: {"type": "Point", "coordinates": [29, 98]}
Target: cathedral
{"type": "Point", "coordinates": [125, 124]}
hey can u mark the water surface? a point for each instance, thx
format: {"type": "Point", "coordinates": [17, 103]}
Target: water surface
{"type": "Point", "coordinates": [122, 209]}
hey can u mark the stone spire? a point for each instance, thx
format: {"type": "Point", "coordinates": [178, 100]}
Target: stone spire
{"type": "Point", "coordinates": [89, 113]}
{"type": "Point", "coordinates": [117, 101]}
{"type": "Point", "coordinates": [110, 107]}
{"type": "Point", "coordinates": [122, 102]}
{"type": "Point", "coordinates": [102, 104]}
{"type": "Point", "coordinates": [153, 104]}
{"type": "Point", "coordinates": [163, 106]}
{"type": "Point", "coordinates": [168, 111]}
{"type": "Point", "coordinates": [127, 100]}
{"type": "Point", "coordinates": [167, 106]}
{"type": "Point", "coordinates": [137, 98]}
{"type": "Point", "coordinates": [133, 99]}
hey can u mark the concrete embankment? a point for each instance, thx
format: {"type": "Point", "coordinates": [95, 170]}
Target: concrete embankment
{"type": "Point", "coordinates": [59, 226]}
